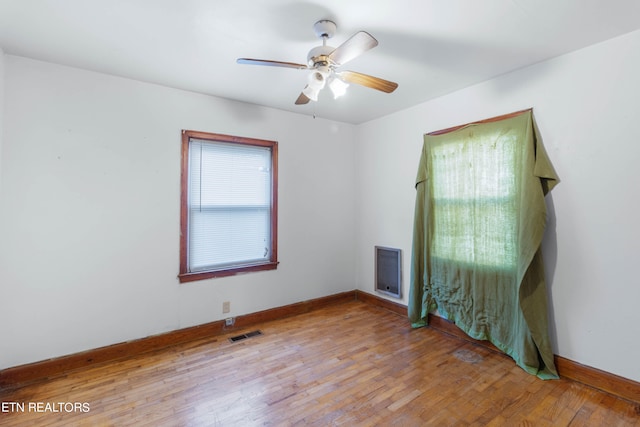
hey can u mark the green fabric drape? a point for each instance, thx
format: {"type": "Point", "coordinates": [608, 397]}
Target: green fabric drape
{"type": "Point", "coordinates": [480, 216]}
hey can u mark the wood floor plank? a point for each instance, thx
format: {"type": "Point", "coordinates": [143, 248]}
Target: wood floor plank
{"type": "Point", "coordinates": [346, 364]}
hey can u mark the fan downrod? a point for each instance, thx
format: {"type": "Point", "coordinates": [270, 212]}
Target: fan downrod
{"type": "Point", "coordinates": [319, 55]}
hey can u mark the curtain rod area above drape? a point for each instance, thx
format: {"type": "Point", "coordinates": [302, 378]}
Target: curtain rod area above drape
{"type": "Point", "coordinates": [489, 120]}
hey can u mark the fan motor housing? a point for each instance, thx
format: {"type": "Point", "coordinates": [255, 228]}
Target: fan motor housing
{"type": "Point", "coordinates": [319, 56]}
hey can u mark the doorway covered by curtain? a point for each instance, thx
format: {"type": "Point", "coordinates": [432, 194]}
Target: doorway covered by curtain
{"type": "Point", "coordinates": [479, 220]}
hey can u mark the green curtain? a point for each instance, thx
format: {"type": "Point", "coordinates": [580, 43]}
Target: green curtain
{"type": "Point", "coordinates": [479, 220]}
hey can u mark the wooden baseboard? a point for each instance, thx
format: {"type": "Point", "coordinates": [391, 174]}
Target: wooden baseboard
{"type": "Point", "coordinates": [596, 378]}
{"type": "Point", "coordinates": [34, 372]}
{"type": "Point", "coordinates": [51, 368]}
{"type": "Point", "coordinates": [381, 302]}
{"type": "Point", "coordinates": [613, 384]}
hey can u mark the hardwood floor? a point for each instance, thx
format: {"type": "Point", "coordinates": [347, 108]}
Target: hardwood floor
{"type": "Point", "coordinates": [349, 364]}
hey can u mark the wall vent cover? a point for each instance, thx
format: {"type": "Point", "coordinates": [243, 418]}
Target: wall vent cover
{"type": "Point", "coordinates": [388, 268]}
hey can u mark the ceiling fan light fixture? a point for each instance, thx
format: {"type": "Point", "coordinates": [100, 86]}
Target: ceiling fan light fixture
{"type": "Point", "coordinates": [338, 87]}
{"type": "Point", "coordinates": [311, 92]}
{"type": "Point", "coordinates": [317, 80]}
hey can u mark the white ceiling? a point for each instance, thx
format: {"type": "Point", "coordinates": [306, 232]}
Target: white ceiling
{"type": "Point", "coordinates": [429, 47]}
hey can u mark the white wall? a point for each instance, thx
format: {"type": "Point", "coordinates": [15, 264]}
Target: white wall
{"type": "Point", "coordinates": [587, 106]}
{"type": "Point", "coordinates": [1, 110]}
{"type": "Point", "coordinates": [89, 210]}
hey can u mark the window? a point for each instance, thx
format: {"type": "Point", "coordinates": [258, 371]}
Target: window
{"type": "Point", "coordinates": [474, 194]}
{"type": "Point", "coordinates": [228, 205]}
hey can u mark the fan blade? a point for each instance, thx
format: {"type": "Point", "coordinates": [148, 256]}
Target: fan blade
{"type": "Point", "coordinates": [250, 61]}
{"type": "Point", "coordinates": [302, 99]}
{"type": "Point", "coordinates": [368, 81]}
{"type": "Point", "coordinates": [358, 44]}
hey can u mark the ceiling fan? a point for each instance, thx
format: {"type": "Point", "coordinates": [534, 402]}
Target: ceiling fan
{"type": "Point", "coordinates": [325, 60]}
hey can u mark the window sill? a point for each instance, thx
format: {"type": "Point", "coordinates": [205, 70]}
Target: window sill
{"type": "Point", "coordinates": [213, 274]}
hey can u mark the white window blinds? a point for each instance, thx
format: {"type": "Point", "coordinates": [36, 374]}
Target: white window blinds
{"type": "Point", "coordinates": [229, 205]}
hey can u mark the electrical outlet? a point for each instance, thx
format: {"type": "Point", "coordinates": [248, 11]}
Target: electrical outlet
{"type": "Point", "coordinates": [229, 321]}
{"type": "Point", "coordinates": [226, 307]}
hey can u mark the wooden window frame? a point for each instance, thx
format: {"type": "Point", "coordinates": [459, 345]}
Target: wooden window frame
{"type": "Point", "coordinates": [185, 275]}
